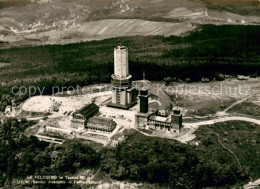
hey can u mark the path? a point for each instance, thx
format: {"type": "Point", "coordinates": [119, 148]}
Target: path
{"type": "Point", "coordinates": [251, 185]}
{"type": "Point", "coordinates": [224, 112]}
{"type": "Point", "coordinates": [236, 103]}
{"type": "Point", "coordinates": [222, 119]}
{"type": "Point", "coordinates": [206, 12]}
{"type": "Point", "coordinates": [238, 162]}
{"type": "Point", "coordinates": [153, 32]}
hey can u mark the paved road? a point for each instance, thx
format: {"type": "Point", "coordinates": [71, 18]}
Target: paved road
{"type": "Point", "coordinates": [252, 185]}
{"type": "Point", "coordinates": [222, 119]}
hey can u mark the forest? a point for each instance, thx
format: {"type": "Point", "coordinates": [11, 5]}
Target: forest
{"type": "Point", "coordinates": [22, 156]}
{"type": "Point", "coordinates": [158, 161]}
{"type": "Point", "coordinates": [206, 52]}
{"type": "Point", "coordinates": [169, 163]}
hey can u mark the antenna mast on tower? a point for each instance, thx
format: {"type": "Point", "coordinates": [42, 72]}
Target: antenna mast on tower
{"type": "Point", "coordinates": [177, 100]}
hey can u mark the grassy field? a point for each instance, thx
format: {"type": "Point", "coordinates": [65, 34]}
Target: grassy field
{"type": "Point", "coordinates": [246, 108]}
{"type": "Point", "coordinates": [241, 138]}
{"type": "Point", "coordinates": [231, 96]}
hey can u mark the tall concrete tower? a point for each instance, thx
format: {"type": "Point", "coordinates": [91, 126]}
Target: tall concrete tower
{"type": "Point", "coordinates": [121, 80]}
{"type": "Point", "coordinates": [121, 62]}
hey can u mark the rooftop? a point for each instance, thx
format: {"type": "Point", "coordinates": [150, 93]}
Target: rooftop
{"type": "Point", "coordinates": [159, 118]}
{"type": "Point", "coordinates": [86, 109]}
{"type": "Point", "coordinates": [120, 48]}
{"type": "Point", "coordinates": [164, 98]}
{"type": "Point", "coordinates": [176, 112]}
{"type": "Point", "coordinates": [101, 120]}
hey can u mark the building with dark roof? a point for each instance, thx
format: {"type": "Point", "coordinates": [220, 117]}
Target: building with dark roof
{"type": "Point", "coordinates": [81, 116]}
{"type": "Point", "coordinates": [161, 118]}
{"type": "Point", "coordinates": [173, 123]}
{"type": "Point", "coordinates": [101, 124]}
{"type": "Point", "coordinates": [153, 121]}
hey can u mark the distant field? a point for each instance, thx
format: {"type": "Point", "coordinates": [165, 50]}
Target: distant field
{"type": "Point", "coordinates": [103, 29]}
{"type": "Point", "coordinates": [243, 7]}
{"type": "Point", "coordinates": [40, 22]}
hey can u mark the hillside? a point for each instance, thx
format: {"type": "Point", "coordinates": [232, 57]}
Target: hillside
{"type": "Point", "coordinates": [242, 7]}
{"type": "Point", "coordinates": [55, 21]}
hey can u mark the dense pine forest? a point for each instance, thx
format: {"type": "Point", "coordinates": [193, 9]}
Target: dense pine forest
{"type": "Point", "coordinates": [206, 52]}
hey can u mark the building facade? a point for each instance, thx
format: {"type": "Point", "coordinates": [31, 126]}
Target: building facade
{"type": "Point", "coordinates": [156, 119]}
{"type": "Point", "coordinates": [152, 121]}
{"type": "Point", "coordinates": [80, 117]}
{"type": "Point", "coordinates": [101, 124]}
{"type": "Point", "coordinates": [172, 124]}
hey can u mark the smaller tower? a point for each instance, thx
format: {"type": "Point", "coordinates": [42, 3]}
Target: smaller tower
{"type": "Point", "coordinates": [143, 100]}
{"type": "Point", "coordinates": [141, 118]}
{"type": "Point", "coordinates": [176, 120]}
